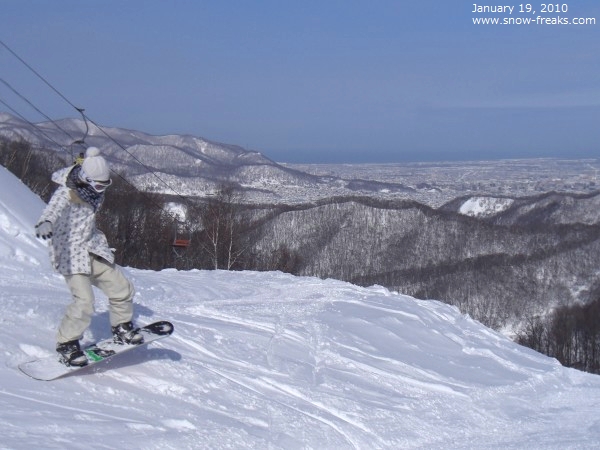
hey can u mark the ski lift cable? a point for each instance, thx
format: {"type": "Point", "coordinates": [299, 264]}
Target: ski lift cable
{"type": "Point", "coordinates": [34, 126]}
{"type": "Point", "coordinates": [87, 118]}
{"type": "Point", "coordinates": [36, 73]}
{"type": "Point", "coordinates": [135, 158]}
{"type": "Point", "coordinates": [80, 110]}
{"type": "Point", "coordinates": [45, 135]}
{"type": "Point", "coordinates": [49, 138]}
{"type": "Point", "coordinates": [26, 100]}
{"type": "Point", "coordinates": [75, 141]}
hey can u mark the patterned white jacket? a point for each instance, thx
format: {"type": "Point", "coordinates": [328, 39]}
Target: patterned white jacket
{"type": "Point", "coordinates": [74, 230]}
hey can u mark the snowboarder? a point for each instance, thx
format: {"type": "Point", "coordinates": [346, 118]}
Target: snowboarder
{"type": "Point", "coordinates": [80, 252]}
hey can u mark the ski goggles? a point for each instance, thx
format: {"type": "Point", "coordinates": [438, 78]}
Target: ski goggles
{"type": "Point", "coordinates": [97, 185]}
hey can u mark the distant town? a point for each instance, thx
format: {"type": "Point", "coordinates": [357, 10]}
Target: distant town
{"type": "Point", "coordinates": [435, 183]}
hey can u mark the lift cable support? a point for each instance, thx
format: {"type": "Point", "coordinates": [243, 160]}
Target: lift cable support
{"type": "Point", "coordinates": [79, 158]}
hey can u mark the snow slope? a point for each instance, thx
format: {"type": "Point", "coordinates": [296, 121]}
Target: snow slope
{"type": "Point", "coordinates": [270, 361]}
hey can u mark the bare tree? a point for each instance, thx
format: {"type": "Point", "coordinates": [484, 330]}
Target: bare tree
{"type": "Point", "coordinates": [223, 222]}
{"type": "Point", "coordinates": [534, 334]}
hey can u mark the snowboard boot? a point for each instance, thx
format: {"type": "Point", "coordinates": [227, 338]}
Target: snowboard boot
{"type": "Point", "coordinates": [125, 333]}
{"type": "Point", "coordinates": [71, 354]}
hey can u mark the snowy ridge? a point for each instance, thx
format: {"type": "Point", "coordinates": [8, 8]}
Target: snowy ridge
{"type": "Point", "coordinates": [269, 360]}
{"type": "Point", "coordinates": [186, 159]}
{"type": "Point", "coordinates": [485, 206]}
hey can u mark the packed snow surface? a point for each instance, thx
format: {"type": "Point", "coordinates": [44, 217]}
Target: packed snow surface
{"type": "Point", "coordinates": [273, 361]}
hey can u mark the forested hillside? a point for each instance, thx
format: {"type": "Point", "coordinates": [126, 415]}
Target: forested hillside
{"type": "Point", "coordinates": [532, 267]}
{"type": "Point", "coordinates": [495, 272]}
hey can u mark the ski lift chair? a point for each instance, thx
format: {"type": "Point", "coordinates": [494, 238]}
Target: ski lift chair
{"type": "Point", "coordinates": [181, 239]}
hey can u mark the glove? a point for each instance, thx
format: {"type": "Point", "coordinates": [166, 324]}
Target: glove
{"type": "Point", "coordinates": [44, 230]}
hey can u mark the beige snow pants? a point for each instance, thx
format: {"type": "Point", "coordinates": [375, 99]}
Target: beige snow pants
{"type": "Point", "coordinates": [110, 280]}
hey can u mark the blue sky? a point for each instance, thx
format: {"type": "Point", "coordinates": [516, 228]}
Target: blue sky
{"type": "Point", "coordinates": [316, 81]}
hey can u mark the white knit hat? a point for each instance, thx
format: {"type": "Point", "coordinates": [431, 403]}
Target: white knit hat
{"type": "Point", "coordinates": [95, 166]}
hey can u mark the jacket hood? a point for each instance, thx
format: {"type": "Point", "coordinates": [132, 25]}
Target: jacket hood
{"type": "Point", "coordinates": [60, 176]}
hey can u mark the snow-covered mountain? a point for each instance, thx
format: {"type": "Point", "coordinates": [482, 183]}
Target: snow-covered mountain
{"type": "Point", "coordinates": [269, 360]}
{"type": "Point", "coordinates": [181, 164]}
{"type": "Point", "coordinates": [173, 153]}
{"type": "Point", "coordinates": [186, 165]}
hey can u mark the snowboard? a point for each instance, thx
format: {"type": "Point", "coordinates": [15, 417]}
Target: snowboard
{"type": "Point", "coordinates": [50, 368]}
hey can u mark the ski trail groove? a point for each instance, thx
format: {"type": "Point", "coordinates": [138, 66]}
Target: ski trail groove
{"type": "Point", "coordinates": [71, 408]}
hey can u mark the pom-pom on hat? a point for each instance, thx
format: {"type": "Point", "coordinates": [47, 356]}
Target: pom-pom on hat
{"type": "Point", "coordinates": [94, 166]}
